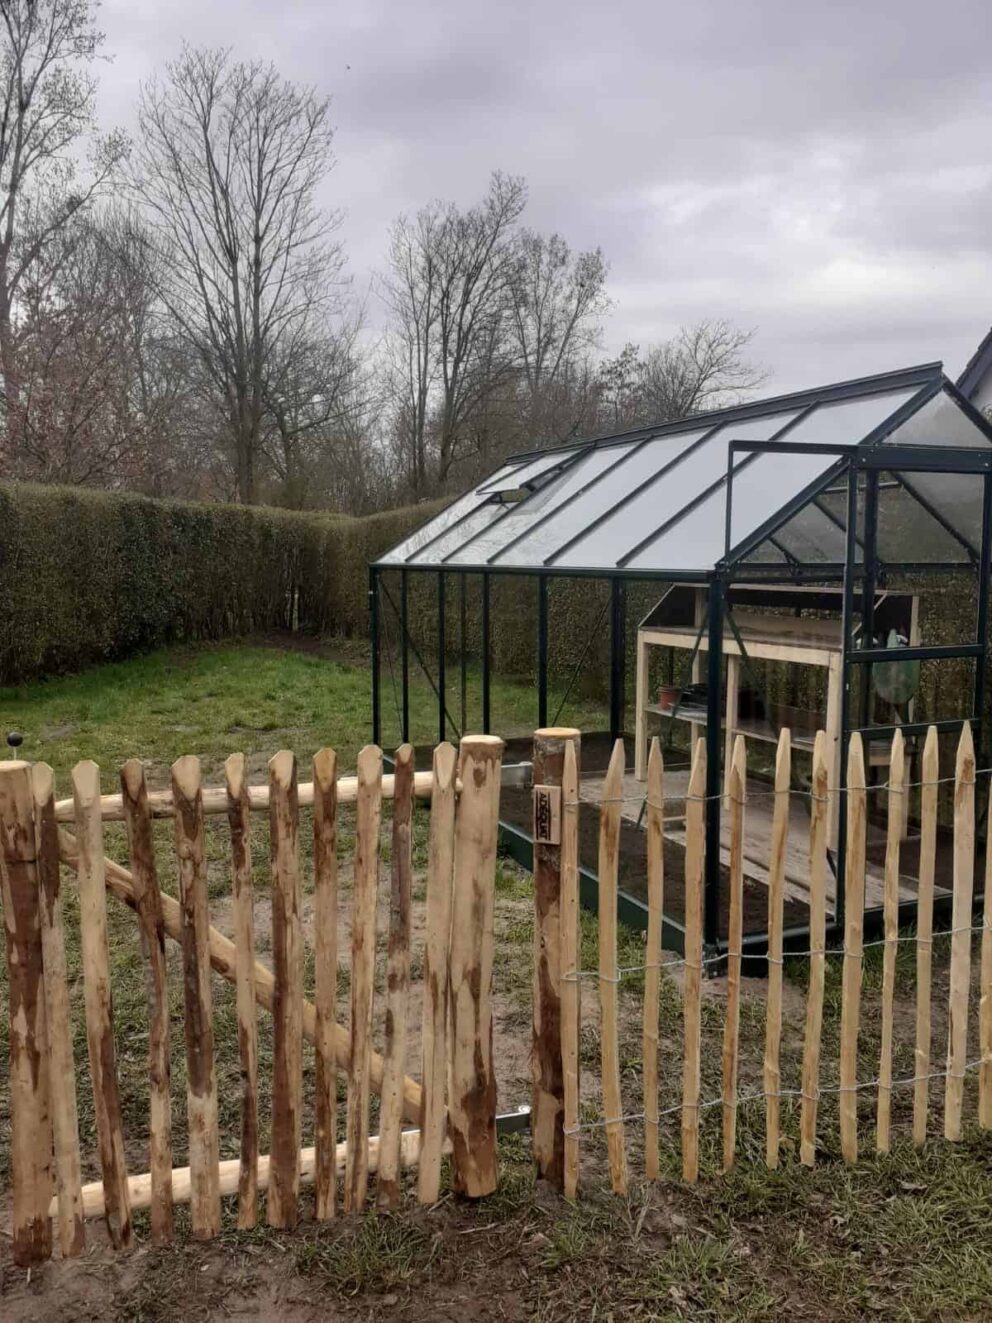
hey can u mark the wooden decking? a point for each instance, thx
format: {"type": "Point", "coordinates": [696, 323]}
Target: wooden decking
{"type": "Point", "coordinates": [757, 835]}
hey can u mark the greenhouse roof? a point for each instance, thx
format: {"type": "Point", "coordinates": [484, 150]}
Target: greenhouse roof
{"type": "Point", "coordinates": [756, 484]}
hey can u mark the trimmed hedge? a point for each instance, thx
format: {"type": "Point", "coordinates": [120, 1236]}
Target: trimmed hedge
{"type": "Point", "coordinates": [88, 576]}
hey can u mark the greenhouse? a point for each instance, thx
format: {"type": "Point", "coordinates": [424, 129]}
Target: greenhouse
{"type": "Point", "coordinates": [804, 530]}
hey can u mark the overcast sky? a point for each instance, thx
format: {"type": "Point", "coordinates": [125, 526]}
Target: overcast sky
{"type": "Point", "coordinates": [821, 172]}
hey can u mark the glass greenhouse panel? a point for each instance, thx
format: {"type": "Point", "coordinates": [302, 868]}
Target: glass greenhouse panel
{"type": "Point", "coordinates": [521, 474]}
{"type": "Point", "coordinates": [466, 528]}
{"type": "Point", "coordinates": [521, 517]}
{"type": "Point", "coordinates": [848, 421]}
{"type": "Point", "coordinates": [940, 422]}
{"type": "Point", "coordinates": [813, 538]}
{"type": "Point", "coordinates": [767, 554]}
{"type": "Point", "coordinates": [632, 466]}
{"type": "Point", "coordinates": [908, 534]}
{"type": "Point", "coordinates": [956, 497]}
{"type": "Point", "coordinates": [448, 517]}
{"type": "Point", "coordinates": [761, 488]}
{"type": "Point", "coordinates": [666, 497]}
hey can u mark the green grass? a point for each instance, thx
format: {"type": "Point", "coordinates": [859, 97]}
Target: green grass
{"type": "Point", "coordinates": [213, 701]}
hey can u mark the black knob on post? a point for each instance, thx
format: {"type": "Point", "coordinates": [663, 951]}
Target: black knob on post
{"type": "Point", "coordinates": [15, 739]}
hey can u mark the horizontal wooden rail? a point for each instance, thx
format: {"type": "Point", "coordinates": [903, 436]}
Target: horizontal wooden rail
{"type": "Point", "coordinates": [140, 1187]}
{"type": "Point", "coordinates": [223, 960]}
{"type": "Point", "coordinates": [215, 798]}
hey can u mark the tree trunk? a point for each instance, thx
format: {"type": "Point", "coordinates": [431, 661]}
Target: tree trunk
{"type": "Point", "coordinates": [8, 366]}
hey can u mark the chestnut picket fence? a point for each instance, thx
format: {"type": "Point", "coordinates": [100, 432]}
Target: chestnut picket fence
{"type": "Point", "coordinates": [448, 1107]}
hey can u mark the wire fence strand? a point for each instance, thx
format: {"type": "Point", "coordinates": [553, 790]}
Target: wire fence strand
{"type": "Point", "coordinates": [795, 792]}
{"type": "Point", "coordinates": [743, 1099]}
{"type": "Point", "coordinates": [573, 975]}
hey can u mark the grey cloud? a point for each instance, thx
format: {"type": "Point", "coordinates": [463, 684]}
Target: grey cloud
{"type": "Point", "coordinates": [819, 171]}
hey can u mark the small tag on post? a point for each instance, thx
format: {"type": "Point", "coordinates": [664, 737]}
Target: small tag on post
{"type": "Point", "coordinates": [547, 815]}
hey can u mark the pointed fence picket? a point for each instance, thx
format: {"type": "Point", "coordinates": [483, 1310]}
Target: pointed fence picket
{"type": "Point", "coordinates": [735, 937]}
{"type": "Point", "coordinates": [144, 873]}
{"type": "Point", "coordinates": [853, 949]}
{"type": "Point", "coordinates": [397, 983]}
{"type": "Point", "coordinates": [924, 932]}
{"type": "Point", "coordinates": [695, 838]}
{"type": "Point", "coordinates": [772, 1075]}
{"type": "Point", "coordinates": [609, 990]}
{"type": "Point", "coordinates": [655, 847]}
{"type": "Point", "coordinates": [62, 1073]}
{"type": "Point", "coordinates": [325, 887]}
{"type": "Point", "coordinates": [239, 821]}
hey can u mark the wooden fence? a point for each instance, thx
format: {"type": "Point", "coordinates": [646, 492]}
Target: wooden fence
{"type": "Point", "coordinates": [565, 1107]}
{"type": "Point", "coordinates": [453, 1105]}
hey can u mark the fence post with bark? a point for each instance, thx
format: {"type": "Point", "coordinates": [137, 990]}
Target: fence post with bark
{"type": "Point", "coordinates": [548, 1091]}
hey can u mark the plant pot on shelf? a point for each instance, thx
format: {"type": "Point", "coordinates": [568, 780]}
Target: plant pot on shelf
{"type": "Point", "coordinates": [668, 696]}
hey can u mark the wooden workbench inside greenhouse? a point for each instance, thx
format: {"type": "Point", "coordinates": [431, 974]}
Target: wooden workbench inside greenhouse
{"type": "Point", "coordinates": [796, 625]}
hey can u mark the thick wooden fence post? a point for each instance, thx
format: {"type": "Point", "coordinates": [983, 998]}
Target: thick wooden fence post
{"type": "Point", "coordinates": [31, 1122]}
{"type": "Point", "coordinates": [472, 1106]}
{"type": "Point", "coordinates": [548, 1092]}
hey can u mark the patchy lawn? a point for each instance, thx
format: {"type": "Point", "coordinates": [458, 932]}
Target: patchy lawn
{"type": "Point", "coordinates": [906, 1235]}
{"type": "Point", "coordinates": [256, 697]}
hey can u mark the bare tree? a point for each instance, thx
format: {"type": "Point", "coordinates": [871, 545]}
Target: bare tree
{"type": "Point", "coordinates": [230, 159]}
{"type": "Point", "coordinates": [703, 367]}
{"type": "Point", "coordinates": [558, 301]}
{"type": "Point", "coordinates": [449, 288]}
{"type": "Point", "coordinates": [620, 389]}
{"type": "Point", "coordinates": [89, 408]}
{"type": "Point", "coordinates": [316, 392]}
{"type": "Point", "coordinates": [47, 93]}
